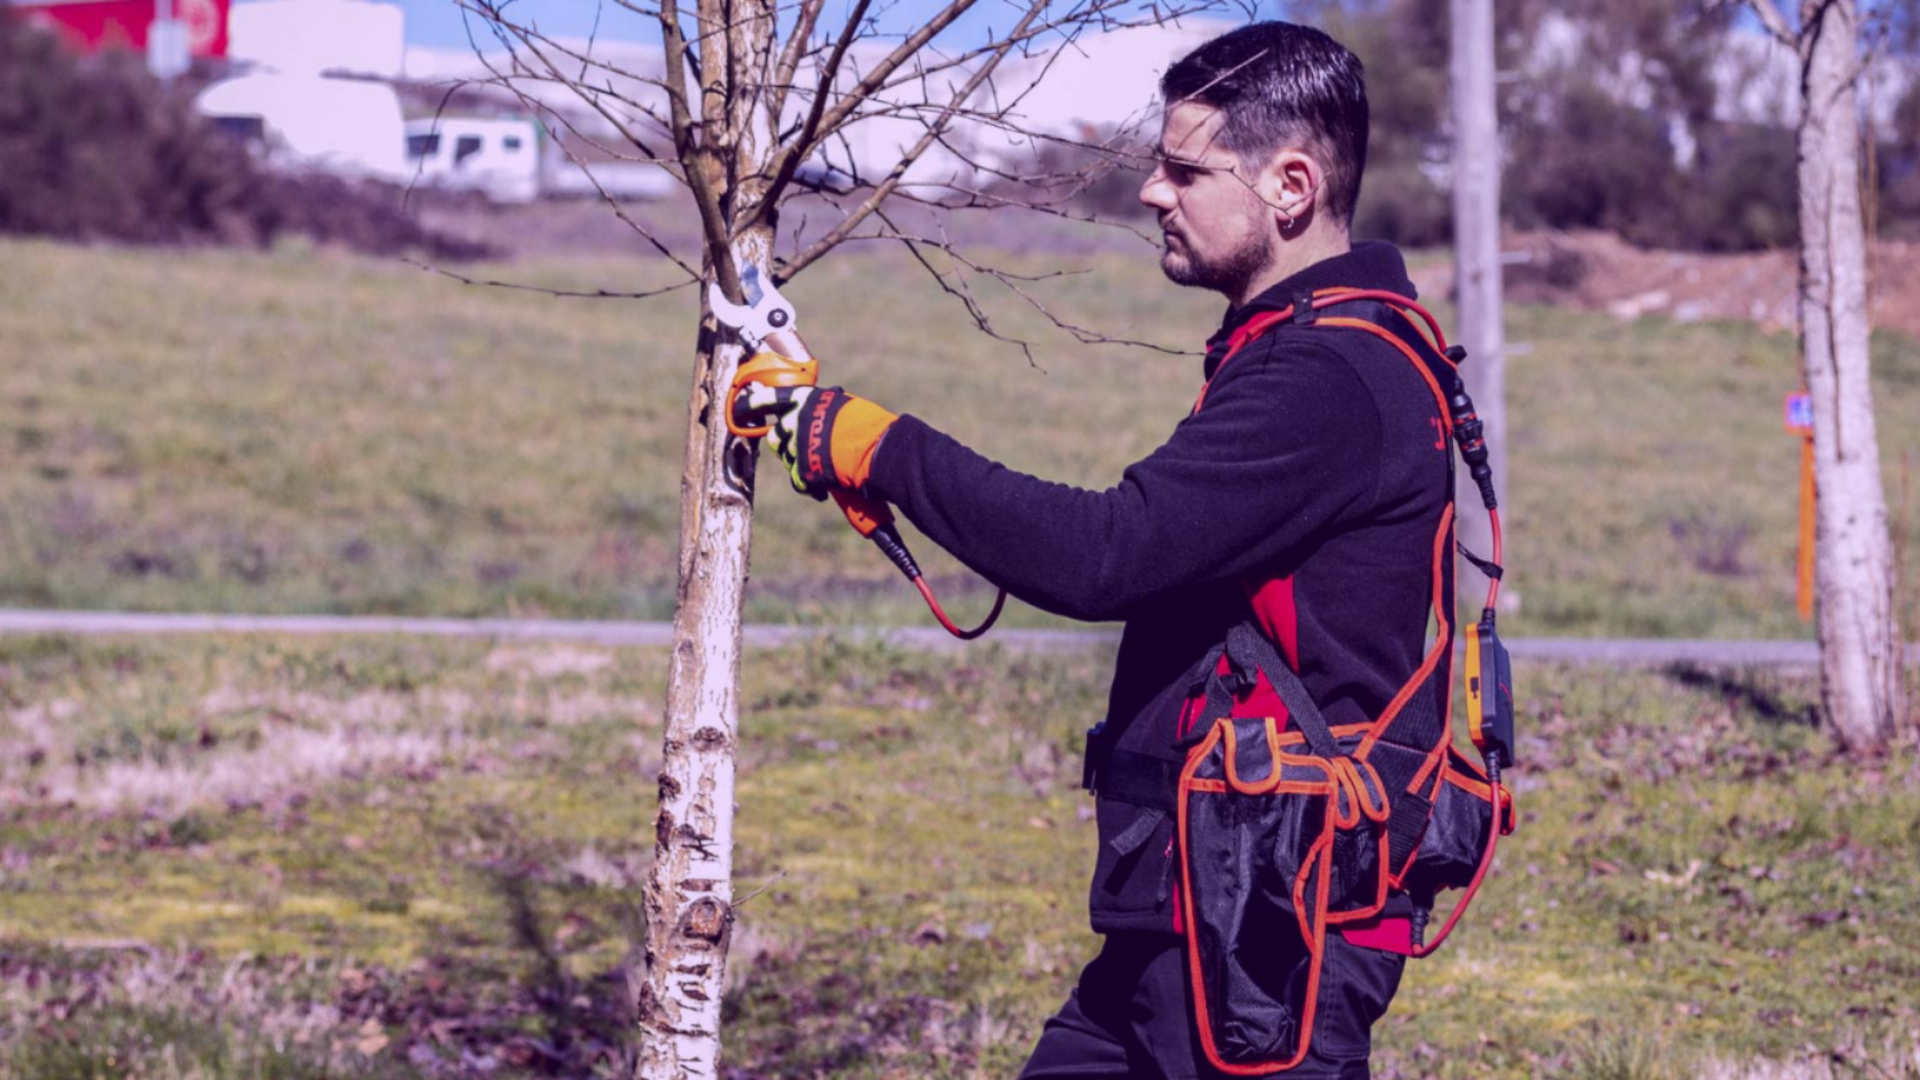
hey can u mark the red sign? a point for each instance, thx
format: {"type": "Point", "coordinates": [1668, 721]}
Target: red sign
{"type": "Point", "coordinates": [100, 24]}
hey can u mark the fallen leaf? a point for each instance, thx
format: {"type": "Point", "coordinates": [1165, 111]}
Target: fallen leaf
{"type": "Point", "coordinates": [373, 1038]}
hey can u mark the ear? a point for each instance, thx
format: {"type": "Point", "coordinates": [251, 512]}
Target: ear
{"type": "Point", "coordinates": [1290, 184]}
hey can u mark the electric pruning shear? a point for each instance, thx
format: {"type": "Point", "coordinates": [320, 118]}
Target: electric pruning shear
{"type": "Point", "coordinates": [766, 324]}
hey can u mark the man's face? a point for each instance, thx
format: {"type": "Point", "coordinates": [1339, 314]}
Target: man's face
{"type": "Point", "coordinates": [1219, 234]}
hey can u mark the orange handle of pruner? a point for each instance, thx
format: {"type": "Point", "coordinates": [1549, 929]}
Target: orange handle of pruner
{"type": "Point", "coordinates": [864, 514]}
{"type": "Point", "coordinates": [767, 369]}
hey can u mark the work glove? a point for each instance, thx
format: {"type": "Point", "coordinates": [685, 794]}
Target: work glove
{"type": "Point", "coordinates": [825, 436]}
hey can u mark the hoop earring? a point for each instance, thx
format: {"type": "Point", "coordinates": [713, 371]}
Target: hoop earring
{"type": "Point", "coordinates": [1286, 226]}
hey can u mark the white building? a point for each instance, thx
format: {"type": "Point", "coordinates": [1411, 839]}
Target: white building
{"type": "Point", "coordinates": [313, 87]}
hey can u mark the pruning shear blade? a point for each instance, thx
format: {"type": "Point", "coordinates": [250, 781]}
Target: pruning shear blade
{"type": "Point", "coordinates": [765, 312]}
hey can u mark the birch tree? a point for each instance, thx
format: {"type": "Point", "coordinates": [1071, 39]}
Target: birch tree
{"type": "Point", "coordinates": [750, 99]}
{"type": "Point", "coordinates": [1860, 654]}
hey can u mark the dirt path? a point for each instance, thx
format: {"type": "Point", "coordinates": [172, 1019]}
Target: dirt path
{"type": "Point", "coordinates": [1601, 272]}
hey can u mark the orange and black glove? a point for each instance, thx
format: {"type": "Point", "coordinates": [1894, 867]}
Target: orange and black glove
{"type": "Point", "coordinates": [825, 436]}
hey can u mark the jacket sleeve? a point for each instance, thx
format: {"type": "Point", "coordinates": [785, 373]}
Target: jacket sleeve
{"type": "Point", "coordinates": [1287, 446]}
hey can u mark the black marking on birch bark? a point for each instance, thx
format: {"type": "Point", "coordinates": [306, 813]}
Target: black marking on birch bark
{"type": "Point", "coordinates": [700, 844]}
{"type": "Point", "coordinates": [699, 885]}
{"type": "Point", "coordinates": [738, 459]}
{"type": "Point", "coordinates": [663, 829]}
{"type": "Point", "coordinates": [669, 788]}
{"type": "Point", "coordinates": [709, 739]}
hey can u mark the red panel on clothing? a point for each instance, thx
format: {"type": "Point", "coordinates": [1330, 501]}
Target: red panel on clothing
{"type": "Point", "coordinates": [1261, 701]}
{"type": "Point", "coordinates": [1279, 619]}
{"type": "Point", "coordinates": [1386, 935]}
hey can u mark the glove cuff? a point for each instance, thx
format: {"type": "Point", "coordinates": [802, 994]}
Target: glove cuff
{"type": "Point", "coordinates": [841, 433]}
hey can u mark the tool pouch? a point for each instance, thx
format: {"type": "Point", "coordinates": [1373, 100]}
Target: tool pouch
{"type": "Point", "coordinates": [1284, 831]}
{"type": "Point", "coordinates": [1275, 842]}
{"type": "Point", "coordinates": [1458, 831]}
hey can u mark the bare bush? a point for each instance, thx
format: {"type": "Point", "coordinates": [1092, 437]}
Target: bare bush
{"type": "Point", "coordinates": [95, 149]}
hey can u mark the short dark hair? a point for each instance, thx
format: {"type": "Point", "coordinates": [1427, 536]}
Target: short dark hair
{"type": "Point", "coordinates": [1283, 85]}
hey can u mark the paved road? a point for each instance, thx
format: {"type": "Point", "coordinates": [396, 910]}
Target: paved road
{"type": "Point", "coordinates": [1641, 652]}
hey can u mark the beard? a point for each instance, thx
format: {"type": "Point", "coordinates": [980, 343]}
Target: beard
{"type": "Point", "coordinates": [1227, 272]}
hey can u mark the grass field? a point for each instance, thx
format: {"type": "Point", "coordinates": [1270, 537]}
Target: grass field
{"type": "Point", "coordinates": [391, 858]}
{"type": "Point", "coordinates": [256, 857]}
{"type": "Point", "coordinates": [309, 431]}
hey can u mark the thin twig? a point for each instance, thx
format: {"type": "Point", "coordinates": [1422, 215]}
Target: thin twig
{"type": "Point", "coordinates": [569, 294]}
{"type": "Point", "coordinates": [880, 193]}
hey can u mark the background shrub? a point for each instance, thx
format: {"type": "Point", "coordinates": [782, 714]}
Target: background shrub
{"type": "Point", "coordinates": [96, 149]}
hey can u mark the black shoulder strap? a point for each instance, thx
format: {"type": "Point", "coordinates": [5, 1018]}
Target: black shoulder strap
{"type": "Point", "coordinates": [1398, 323]}
{"type": "Point", "coordinates": [1247, 651]}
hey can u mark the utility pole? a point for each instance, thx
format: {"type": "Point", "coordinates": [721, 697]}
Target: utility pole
{"type": "Point", "coordinates": [1476, 258]}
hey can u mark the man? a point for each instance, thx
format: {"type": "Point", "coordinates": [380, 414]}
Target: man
{"type": "Point", "coordinates": [1311, 479]}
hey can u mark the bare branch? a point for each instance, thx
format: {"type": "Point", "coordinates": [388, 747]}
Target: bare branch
{"type": "Point", "coordinates": [790, 57]}
{"type": "Point", "coordinates": [570, 294]}
{"type": "Point", "coordinates": [1774, 21]}
{"type": "Point", "coordinates": [959, 288]}
{"type": "Point", "coordinates": [696, 156]}
{"type": "Point", "coordinates": [667, 10]}
{"type": "Point", "coordinates": [886, 187]}
{"type": "Point", "coordinates": [1098, 13]}
{"type": "Point", "coordinates": [985, 200]}
{"type": "Point", "coordinates": [965, 295]}
{"type": "Point", "coordinates": [798, 150]}
{"type": "Point", "coordinates": [621, 213]}
{"type": "Point", "coordinates": [532, 40]}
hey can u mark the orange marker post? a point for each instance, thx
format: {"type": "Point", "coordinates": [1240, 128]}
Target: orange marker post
{"type": "Point", "coordinates": [1799, 421]}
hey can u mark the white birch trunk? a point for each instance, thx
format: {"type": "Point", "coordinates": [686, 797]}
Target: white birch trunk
{"type": "Point", "coordinates": [689, 894]}
{"type": "Point", "coordinates": [1476, 263]}
{"type": "Point", "coordinates": [1859, 658]}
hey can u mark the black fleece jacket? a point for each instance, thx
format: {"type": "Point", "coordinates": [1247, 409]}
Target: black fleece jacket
{"type": "Point", "coordinates": [1316, 458]}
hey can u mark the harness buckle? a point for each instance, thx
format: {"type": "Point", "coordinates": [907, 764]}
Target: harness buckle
{"type": "Point", "coordinates": [1303, 313]}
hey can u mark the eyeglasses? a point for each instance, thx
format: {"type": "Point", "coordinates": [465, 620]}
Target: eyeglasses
{"type": "Point", "coordinates": [1176, 166]}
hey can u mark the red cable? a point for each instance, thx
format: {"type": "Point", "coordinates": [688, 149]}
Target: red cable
{"type": "Point", "coordinates": [1473, 887]}
{"type": "Point", "coordinates": [1393, 300]}
{"type": "Point", "coordinates": [1493, 584]}
{"type": "Point", "coordinates": [926, 593]}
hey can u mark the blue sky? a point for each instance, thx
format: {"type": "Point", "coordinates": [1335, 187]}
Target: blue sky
{"type": "Point", "coordinates": [439, 23]}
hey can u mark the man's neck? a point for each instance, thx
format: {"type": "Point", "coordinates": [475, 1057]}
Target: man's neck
{"type": "Point", "coordinates": [1295, 255]}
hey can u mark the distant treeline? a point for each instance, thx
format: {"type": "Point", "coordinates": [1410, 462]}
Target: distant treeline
{"type": "Point", "coordinates": [1610, 116]}
{"type": "Point", "coordinates": [1611, 121]}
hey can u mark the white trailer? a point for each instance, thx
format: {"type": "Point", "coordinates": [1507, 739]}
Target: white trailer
{"type": "Point", "coordinates": [498, 158]}
{"type": "Point", "coordinates": [512, 160]}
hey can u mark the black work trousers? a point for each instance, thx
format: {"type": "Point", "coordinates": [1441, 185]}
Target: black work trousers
{"type": "Point", "coordinates": [1130, 1017]}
